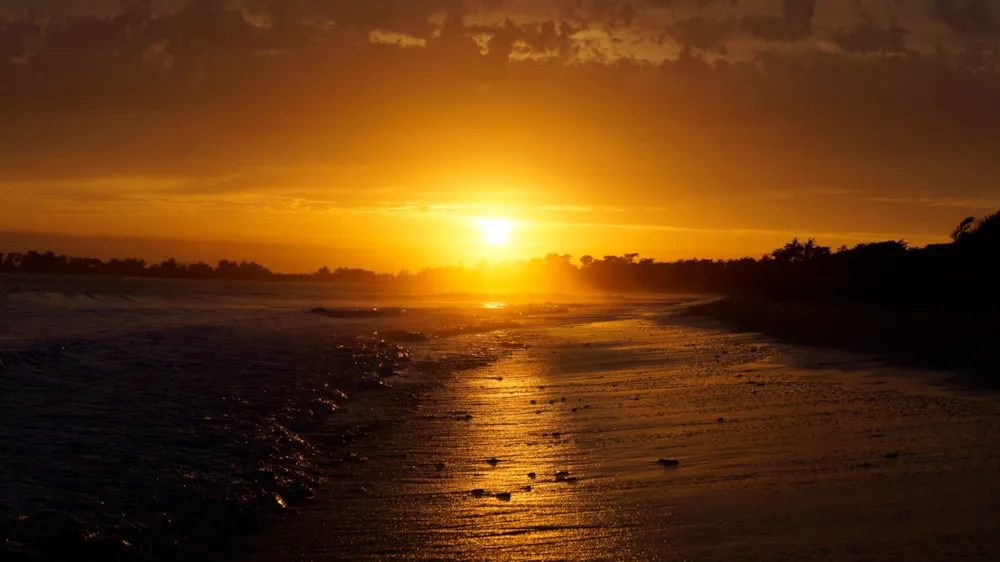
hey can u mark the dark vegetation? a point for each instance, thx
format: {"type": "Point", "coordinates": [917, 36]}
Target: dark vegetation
{"type": "Point", "coordinates": [964, 272]}
{"type": "Point", "coordinates": [929, 307]}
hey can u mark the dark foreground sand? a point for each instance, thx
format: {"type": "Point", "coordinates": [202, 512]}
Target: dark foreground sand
{"type": "Point", "coordinates": [784, 454]}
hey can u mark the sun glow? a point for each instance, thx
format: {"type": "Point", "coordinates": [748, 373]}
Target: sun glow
{"type": "Point", "coordinates": [495, 231]}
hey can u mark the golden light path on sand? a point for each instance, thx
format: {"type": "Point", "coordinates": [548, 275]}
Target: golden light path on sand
{"type": "Point", "coordinates": [784, 454]}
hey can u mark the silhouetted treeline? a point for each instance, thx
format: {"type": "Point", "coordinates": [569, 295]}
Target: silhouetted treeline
{"type": "Point", "coordinates": [48, 263]}
{"type": "Point", "coordinates": [887, 272]}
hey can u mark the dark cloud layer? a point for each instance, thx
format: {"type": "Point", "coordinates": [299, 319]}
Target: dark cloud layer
{"type": "Point", "coordinates": [967, 17]}
{"type": "Point", "coordinates": [154, 87]}
{"type": "Point", "coordinates": [794, 24]}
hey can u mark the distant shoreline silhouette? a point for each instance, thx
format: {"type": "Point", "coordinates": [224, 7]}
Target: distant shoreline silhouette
{"type": "Point", "coordinates": [884, 273]}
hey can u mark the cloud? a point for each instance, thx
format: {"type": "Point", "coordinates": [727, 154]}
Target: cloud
{"type": "Point", "coordinates": [395, 38]}
{"type": "Point", "coordinates": [867, 39]}
{"type": "Point", "coordinates": [566, 208]}
{"type": "Point", "coordinates": [700, 33]}
{"type": "Point", "coordinates": [966, 17]}
{"type": "Point", "coordinates": [794, 25]}
{"type": "Point", "coordinates": [736, 232]}
{"type": "Point", "coordinates": [706, 94]}
{"type": "Point", "coordinates": [987, 204]}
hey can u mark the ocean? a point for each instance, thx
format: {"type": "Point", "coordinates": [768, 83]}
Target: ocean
{"type": "Point", "coordinates": [152, 420]}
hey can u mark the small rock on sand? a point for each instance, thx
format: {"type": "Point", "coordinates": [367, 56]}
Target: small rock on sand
{"type": "Point", "coordinates": [562, 475]}
{"type": "Point", "coordinates": [493, 462]}
{"type": "Point", "coordinates": [669, 462]}
{"type": "Point", "coordinates": [532, 475]}
{"type": "Point", "coordinates": [478, 493]}
{"type": "Point", "coordinates": [504, 497]}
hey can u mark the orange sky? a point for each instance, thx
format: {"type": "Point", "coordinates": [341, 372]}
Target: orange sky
{"type": "Point", "coordinates": [309, 132]}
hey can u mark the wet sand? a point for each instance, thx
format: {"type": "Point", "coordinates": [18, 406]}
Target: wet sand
{"type": "Point", "coordinates": [783, 453]}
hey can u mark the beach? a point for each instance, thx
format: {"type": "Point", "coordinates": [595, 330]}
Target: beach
{"type": "Point", "coordinates": [158, 421]}
{"type": "Point", "coordinates": [782, 453]}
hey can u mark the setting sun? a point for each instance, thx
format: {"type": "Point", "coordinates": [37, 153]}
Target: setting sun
{"type": "Point", "coordinates": [495, 231]}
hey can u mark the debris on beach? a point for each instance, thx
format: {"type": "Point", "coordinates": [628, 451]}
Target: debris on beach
{"type": "Point", "coordinates": [503, 496]}
{"type": "Point", "coordinates": [562, 475]}
{"type": "Point", "coordinates": [669, 462]}
{"type": "Point", "coordinates": [493, 461]}
{"type": "Point", "coordinates": [892, 455]}
{"type": "Point", "coordinates": [359, 312]}
{"type": "Point", "coordinates": [478, 493]}
{"type": "Point", "coordinates": [532, 475]}
{"type": "Point", "coordinates": [403, 336]}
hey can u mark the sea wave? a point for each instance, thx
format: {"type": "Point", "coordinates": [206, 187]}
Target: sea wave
{"type": "Point", "coordinates": [139, 445]}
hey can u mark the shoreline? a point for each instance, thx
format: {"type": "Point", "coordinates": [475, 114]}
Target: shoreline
{"type": "Point", "coordinates": [635, 432]}
{"type": "Point", "coordinates": [188, 436]}
{"type": "Point", "coordinates": [922, 337]}
{"type": "Point", "coordinates": [552, 453]}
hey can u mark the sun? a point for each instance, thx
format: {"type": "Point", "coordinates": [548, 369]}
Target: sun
{"type": "Point", "coordinates": [495, 231]}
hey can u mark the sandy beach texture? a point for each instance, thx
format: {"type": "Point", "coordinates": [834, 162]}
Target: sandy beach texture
{"type": "Point", "coordinates": [628, 432]}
